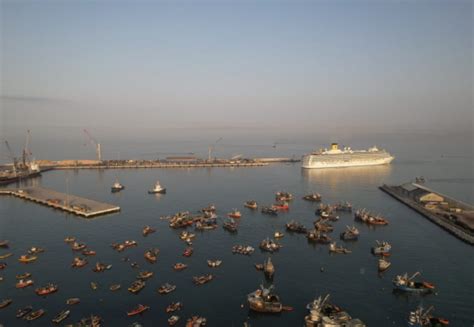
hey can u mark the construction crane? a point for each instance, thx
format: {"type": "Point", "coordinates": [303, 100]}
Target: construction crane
{"type": "Point", "coordinates": [26, 151]}
{"type": "Point", "coordinates": [211, 148]}
{"type": "Point", "coordinates": [12, 155]}
{"type": "Point", "coordinates": [94, 142]}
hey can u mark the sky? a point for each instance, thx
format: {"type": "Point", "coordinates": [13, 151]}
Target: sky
{"type": "Point", "coordinates": [243, 67]}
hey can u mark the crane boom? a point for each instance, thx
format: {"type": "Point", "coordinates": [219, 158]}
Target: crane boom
{"type": "Point", "coordinates": [12, 155]}
{"type": "Point", "coordinates": [94, 142]}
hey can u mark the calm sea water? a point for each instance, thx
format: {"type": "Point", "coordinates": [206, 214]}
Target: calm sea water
{"type": "Point", "coordinates": [352, 280]}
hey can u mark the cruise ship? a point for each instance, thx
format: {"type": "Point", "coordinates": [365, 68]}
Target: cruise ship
{"type": "Point", "coordinates": [346, 157]}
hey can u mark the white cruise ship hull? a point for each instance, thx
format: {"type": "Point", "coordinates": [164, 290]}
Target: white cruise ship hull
{"type": "Point", "coordinates": [313, 162]}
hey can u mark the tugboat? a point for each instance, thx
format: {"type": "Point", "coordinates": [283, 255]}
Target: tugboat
{"type": "Point", "coordinates": [173, 320]}
{"type": "Point", "coordinates": [137, 310]}
{"type": "Point", "coordinates": [148, 230]}
{"type": "Point", "coordinates": [235, 214]}
{"type": "Point", "coordinates": [252, 204]}
{"type": "Point", "coordinates": [166, 288]}
{"type": "Point", "coordinates": [264, 300]}
{"type": "Point", "coordinates": [270, 211]}
{"type": "Point", "coordinates": [268, 268]}
{"type": "Point", "coordinates": [323, 313]}
{"type": "Point", "coordinates": [313, 197]}
{"type": "Point", "coordinates": [117, 187]}
{"type": "Point", "coordinates": [406, 284]}
{"type": "Point", "coordinates": [296, 227]}
{"type": "Point", "coordinates": [382, 248]}
{"type": "Point", "coordinates": [46, 290]}
{"type": "Point", "coordinates": [383, 264]}
{"type": "Point", "coordinates": [214, 263]}
{"type": "Point", "coordinates": [200, 280]}
{"type": "Point", "coordinates": [157, 189]}
{"type": "Point", "coordinates": [338, 249]}
{"type": "Point", "coordinates": [350, 234]}
{"type": "Point", "coordinates": [174, 306]}
{"type": "Point", "coordinates": [136, 286]}
{"type": "Point", "coordinates": [180, 266]}
{"type": "Point", "coordinates": [421, 318]}
{"type": "Point", "coordinates": [230, 225]}
{"type": "Point", "coordinates": [61, 316]}
{"type": "Point", "coordinates": [270, 245]}
{"type": "Point", "coordinates": [20, 313]}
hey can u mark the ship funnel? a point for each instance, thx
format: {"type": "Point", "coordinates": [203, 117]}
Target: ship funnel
{"type": "Point", "coordinates": [334, 146]}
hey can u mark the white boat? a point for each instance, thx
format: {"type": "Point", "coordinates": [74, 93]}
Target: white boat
{"type": "Point", "coordinates": [346, 157]}
{"type": "Point", "coordinates": [117, 187]}
{"type": "Point", "coordinates": [157, 189]}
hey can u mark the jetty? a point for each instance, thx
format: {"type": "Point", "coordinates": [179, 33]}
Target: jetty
{"type": "Point", "coordinates": [66, 202]}
{"type": "Point", "coordinates": [450, 214]}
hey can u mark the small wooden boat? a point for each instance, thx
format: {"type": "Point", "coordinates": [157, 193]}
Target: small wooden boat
{"type": "Point", "coordinates": [23, 276]}
{"type": "Point", "coordinates": [200, 280]}
{"type": "Point", "coordinates": [6, 255]}
{"type": "Point", "coordinates": [138, 310]}
{"type": "Point", "coordinates": [94, 285]}
{"type": "Point", "coordinates": [166, 288]}
{"type": "Point", "coordinates": [252, 204]}
{"type": "Point", "coordinates": [180, 266]}
{"type": "Point", "coordinates": [4, 244]}
{"type": "Point", "coordinates": [22, 283]}
{"type": "Point", "coordinates": [88, 252]}
{"type": "Point", "coordinates": [20, 313]}
{"type": "Point", "coordinates": [151, 255]}
{"type": "Point", "coordinates": [174, 306]}
{"type": "Point", "coordinates": [383, 264]}
{"type": "Point", "coordinates": [147, 230]}
{"type": "Point", "coordinates": [73, 300]}
{"type": "Point", "coordinates": [188, 252]}
{"type": "Point", "coordinates": [27, 258]}
{"type": "Point", "coordinates": [78, 246]}
{"type": "Point", "coordinates": [46, 290]}
{"type": "Point", "coordinates": [214, 263]}
{"type": "Point", "coordinates": [145, 274]}
{"type": "Point", "coordinates": [100, 267]}
{"type": "Point", "coordinates": [137, 286]}
{"type": "Point", "coordinates": [5, 303]}
{"type": "Point", "coordinates": [60, 317]}
{"type": "Point", "coordinates": [35, 250]}
{"type": "Point", "coordinates": [196, 321]}
{"type": "Point", "coordinates": [78, 262]}
{"type": "Point", "coordinates": [173, 320]}
{"type": "Point", "coordinates": [70, 239]}
{"type": "Point", "coordinates": [313, 197]}
{"type": "Point", "coordinates": [34, 315]}
{"type": "Point", "coordinates": [115, 287]}
{"type": "Point", "coordinates": [235, 214]}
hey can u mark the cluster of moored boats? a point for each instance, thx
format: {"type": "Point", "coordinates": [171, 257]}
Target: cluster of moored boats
{"type": "Point", "coordinates": [321, 312]}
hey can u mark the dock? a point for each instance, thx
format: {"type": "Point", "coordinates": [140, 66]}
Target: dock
{"type": "Point", "coordinates": [450, 214]}
{"type": "Point", "coordinates": [66, 202]}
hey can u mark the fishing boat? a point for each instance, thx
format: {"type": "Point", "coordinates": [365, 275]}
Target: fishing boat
{"type": "Point", "coordinates": [34, 315]}
{"type": "Point", "coordinates": [173, 320]}
{"type": "Point", "coordinates": [200, 280]}
{"type": "Point", "coordinates": [206, 224]}
{"type": "Point", "coordinates": [5, 303]}
{"type": "Point", "coordinates": [166, 288]}
{"type": "Point", "coordinates": [424, 318]}
{"type": "Point", "coordinates": [116, 186]}
{"type": "Point", "coordinates": [214, 263]}
{"type": "Point", "coordinates": [152, 255]}
{"type": "Point", "coordinates": [338, 249]}
{"type": "Point", "coordinates": [270, 245]}
{"type": "Point", "coordinates": [94, 285]}
{"type": "Point", "coordinates": [210, 208]}
{"type": "Point", "coordinates": [73, 300]}
{"type": "Point", "coordinates": [3, 265]}
{"type": "Point", "coordinates": [281, 206]}
{"type": "Point", "coordinates": [350, 234]}
{"type": "Point", "coordinates": [78, 262]}
{"type": "Point", "coordinates": [4, 244]}
{"type": "Point", "coordinates": [252, 204]}
{"type": "Point", "coordinates": [27, 258]}
{"type": "Point", "coordinates": [383, 264]}
{"type": "Point", "coordinates": [101, 267]}
{"type": "Point", "coordinates": [180, 266]}
{"type": "Point", "coordinates": [69, 239]}
{"type": "Point", "coordinates": [6, 255]}
{"type": "Point", "coordinates": [174, 306]}
{"type": "Point", "coordinates": [88, 252]}
{"type": "Point", "coordinates": [157, 189]}
{"type": "Point", "coordinates": [23, 276]}
{"type": "Point", "coordinates": [76, 246]}
{"type": "Point", "coordinates": [268, 268]}
{"type": "Point", "coordinates": [381, 248]}
{"type": "Point", "coordinates": [230, 225]}
{"type": "Point", "coordinates": [313, 197]}
{"type": "Point", "coordinates": [115, 287]}
{"type": "Point", "coordinates": [148, 230]}
{"type": "Point", "coordinates": [145, 274]}
{"type": "Point", "coordinates": [283, 196]}
{"type": "Point", "coordinates": [22, 283]}
{"type": "Point", "coordinates": [185, 235]}
{"type": "Point", "coordinates": [188, 252]}
{"type": "Point", "coordinates": [407, 284]}
{"type": "Point", "coordinates": [35, 250]}
{"type": "Point", "coordinates": [269, 211]}
{"type": "Point", "coordinates": [20, 313]}
{"type": "Point", "coordinates": [369, 218]}
{"type": "Point", "coordinates": [322, 226]}
{"type": "Point", "coordinates": [343, 206]}
{"type": "Point", "coordinates": [235, 214]}
{"type": "Point", "coordinates": [243, 249]}
{"type": "Point", "coordinates": [60, 317]}
{"type": "Point", "coordinates": [196, 321]}
{"type": "Point", "coordinates": [264, 300]}
{"type": "Point", "coordinates": [92, 321]}
{"type": "Point", "coordinates": [329, 216]}
{"type": "Point", "coordinates": [322, 313]}
{"type": "Point", "coordinates": [259, 266]}
{"type": "Point", "coordinates": [136, 286]}
{"type": "Point", "coordinates": [317, 237]}
{"type": "Point", "coordinates": [46, 290]}
{"type": "Point", "coordinates": [295, 227]}
{"type": "Point", "coordinates": [139, 309]}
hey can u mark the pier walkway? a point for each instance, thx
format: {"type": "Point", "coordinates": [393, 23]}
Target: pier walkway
{"type": "Point", "coordinates": [70, 203]}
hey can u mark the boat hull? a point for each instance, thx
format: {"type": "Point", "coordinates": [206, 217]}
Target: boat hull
{"type": "Point", "coordinates": [308, 163]}
{"type": "Point", "coordinates": [163, 191]}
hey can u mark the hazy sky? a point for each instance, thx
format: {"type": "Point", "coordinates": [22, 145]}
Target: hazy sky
{"type": "Point", "coordinates": [302, 65]}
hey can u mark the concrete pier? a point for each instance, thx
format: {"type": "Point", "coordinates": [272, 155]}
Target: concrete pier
{"type": "Point", "coordinates": [66, 202]}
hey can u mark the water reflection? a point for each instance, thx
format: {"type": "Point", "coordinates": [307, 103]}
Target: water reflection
{"type": "Point", "coordinates": [337, 177]}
